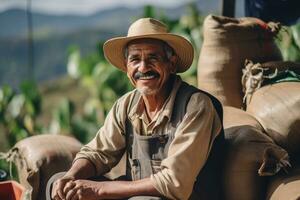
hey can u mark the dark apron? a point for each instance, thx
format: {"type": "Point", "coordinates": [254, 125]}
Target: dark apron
{"type": "Point", "coordinates": [145, 153]}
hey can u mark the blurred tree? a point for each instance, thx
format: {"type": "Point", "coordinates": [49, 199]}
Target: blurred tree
{"type": "Point", "coordinates": [149, 11]}
{"type": "Point", "coordinates": [19, 111]}
{"type": "Point", "coordinates": [18, 115]}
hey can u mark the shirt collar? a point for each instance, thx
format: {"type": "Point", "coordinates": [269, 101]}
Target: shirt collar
{"type": "Point", "coordinates": [138, 110]}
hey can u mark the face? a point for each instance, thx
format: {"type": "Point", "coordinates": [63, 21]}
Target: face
{"type": "Point", "coordinates": [148, 67]}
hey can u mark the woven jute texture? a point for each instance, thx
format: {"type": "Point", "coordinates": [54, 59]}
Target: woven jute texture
{"type": "Point", "coordinates": [277, 108]}
{"type": "Point", "coordinates": [252, 158]}
{"type": "Point", "coordinates": [228, 42]}
{"type": "Point", "coordinates": [39, 157]}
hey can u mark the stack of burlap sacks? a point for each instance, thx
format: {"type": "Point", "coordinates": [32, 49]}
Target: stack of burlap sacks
{"type": "Point", "coordinates": [262, 121]}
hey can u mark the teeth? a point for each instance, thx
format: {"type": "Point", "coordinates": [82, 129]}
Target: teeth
{"type": "Point", "coordinates": [147, 77]}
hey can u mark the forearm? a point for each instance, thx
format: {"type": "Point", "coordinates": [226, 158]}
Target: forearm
{"type": "Point", "coordinates": [81, 169]}
{"type": "Point", "coordinates": [124, 189]}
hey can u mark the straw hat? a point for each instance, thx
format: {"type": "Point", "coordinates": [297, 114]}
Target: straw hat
{"type": "Point", "coordinates": [149, 28]}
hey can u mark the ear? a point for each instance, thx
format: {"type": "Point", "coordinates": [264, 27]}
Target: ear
{"type": "Point", "coordinates": [173, 64]}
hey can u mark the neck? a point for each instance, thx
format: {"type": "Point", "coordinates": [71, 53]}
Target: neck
{"type": "Point", "coordinates": [154, 102]}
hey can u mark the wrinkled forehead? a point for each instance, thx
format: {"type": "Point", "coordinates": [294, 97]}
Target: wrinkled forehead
{"type": "Point", "coordinates": [145, 42]}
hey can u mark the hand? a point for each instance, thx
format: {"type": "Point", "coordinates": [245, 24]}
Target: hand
{"type": "Point", "coordinates": [59, 185]}
{"type": "Point", "coordinates": [84, 189]}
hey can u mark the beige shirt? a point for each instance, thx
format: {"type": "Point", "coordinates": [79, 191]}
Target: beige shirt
{"type": "Point", "coordinates": [188, 151]}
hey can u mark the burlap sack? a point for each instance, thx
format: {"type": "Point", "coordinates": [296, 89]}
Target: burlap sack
{"type": "Point", "coordinates": [277, 108]}
{"type": "Point", "coordinates": [39, 157]}
{"type": "Point", "coordinates": [227, 43]}
{"type": "Point", "coordinates": [234, 117]}
{"type": "Point", "coordinates": [251, 157]}
{"type": "Point", "coordinates": [285, 186]}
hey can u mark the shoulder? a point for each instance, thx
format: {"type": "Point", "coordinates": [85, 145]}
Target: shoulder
{"type": "Point", "coordinates": [199, 100]}
{"type": "Point", "coordinates": [125, 101]}
{"type": "Point", "coordinates": [119, 112]}
{"type": "Point", "coordinates": [202, 105]}
{"type": "Point", "coordinates": [197, 96]}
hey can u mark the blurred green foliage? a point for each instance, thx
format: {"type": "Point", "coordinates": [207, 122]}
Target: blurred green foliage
{"type": "Point", "coordinates": [18, 115]}
{"type": "Point", "coordinates": [18, 111]}
{"type": "Point", "coordinates": [289, 43]}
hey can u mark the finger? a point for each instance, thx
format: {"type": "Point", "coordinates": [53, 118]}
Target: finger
{"type": "Point", "coordinates": [60, 192]}
{"type": "Point", "coordinates": [71, 194]}
{"type": "Point", "coordinates": [57, 198]}
{"type": "Point", "coordinates": [78, 195]}
{"type": "Point", "coordinates": [54, 194]}
{"type": "Point", "coordinates": [68, 187]}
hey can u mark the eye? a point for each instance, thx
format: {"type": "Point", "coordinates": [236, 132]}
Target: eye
{"type": "Point", "coordinates": [153, 58]}
{"type": "Point", "coordinates": [133, 59]}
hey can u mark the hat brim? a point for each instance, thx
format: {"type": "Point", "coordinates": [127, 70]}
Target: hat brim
{"type": "Point", "coordinates": [114, 49]}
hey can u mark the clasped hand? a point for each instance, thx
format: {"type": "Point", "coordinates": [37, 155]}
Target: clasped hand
{"type": "Point", "coordinates": [67, 188]}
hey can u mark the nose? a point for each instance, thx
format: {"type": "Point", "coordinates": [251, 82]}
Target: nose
{"type": "Point", "coordinates": [143, 66]}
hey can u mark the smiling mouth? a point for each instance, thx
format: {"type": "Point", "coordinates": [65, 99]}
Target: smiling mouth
{"type": "Point", "coordinates": [146, 76]}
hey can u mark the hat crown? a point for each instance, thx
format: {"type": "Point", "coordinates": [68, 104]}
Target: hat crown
{"type": "Point", "coordinates": [146, 26]}
{"type": "Point", "coordinates": [152, 29]}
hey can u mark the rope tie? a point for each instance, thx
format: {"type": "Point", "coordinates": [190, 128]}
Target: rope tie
{"type": "Point", "coordinates": [274, 27]}
{"type": "Point", "coordinates": [252, 79]}
{"type": "Point", "coordinates": [11, 157]}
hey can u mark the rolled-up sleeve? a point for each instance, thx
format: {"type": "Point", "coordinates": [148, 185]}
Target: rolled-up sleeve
{"type": "Point", "coordinates": [107, 147]}
{"type": "Point", "coordinates": [189, 150]}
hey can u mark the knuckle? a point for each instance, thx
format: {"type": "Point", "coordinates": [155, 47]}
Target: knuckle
{"type": "Point", "coordinates": [68, 184]}
{"type": "Point", "coordinates": [78, 183]}
{"type": "Point", "coordinates": [79, 191]}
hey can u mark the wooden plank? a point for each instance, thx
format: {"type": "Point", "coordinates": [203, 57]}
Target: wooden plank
{"type": "Point", "coordinates": [228, 8]}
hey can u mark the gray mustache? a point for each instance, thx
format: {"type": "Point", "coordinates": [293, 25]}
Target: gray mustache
{"type": "Point", "coordinates": [138, 75]}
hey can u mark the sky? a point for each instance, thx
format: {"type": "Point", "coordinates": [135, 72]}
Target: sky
{"type": "Point", "coordinates": [82, 6]}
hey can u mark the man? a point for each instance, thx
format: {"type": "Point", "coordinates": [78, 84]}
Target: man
{"type": "Point", "coordinates": [166, 127]}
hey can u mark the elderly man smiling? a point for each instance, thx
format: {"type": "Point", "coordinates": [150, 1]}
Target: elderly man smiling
{"type": "Point", "coordinates": [170, 131]}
